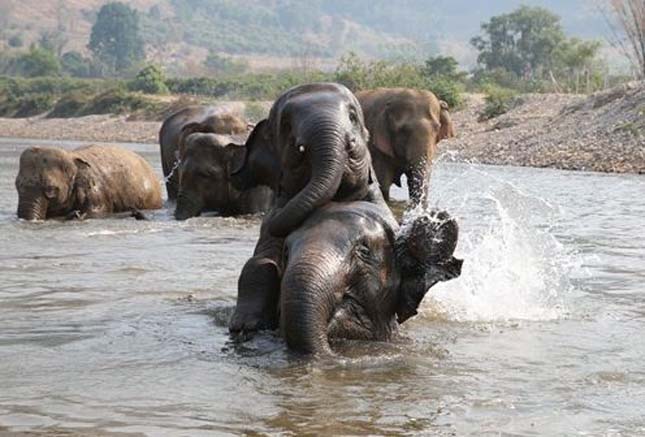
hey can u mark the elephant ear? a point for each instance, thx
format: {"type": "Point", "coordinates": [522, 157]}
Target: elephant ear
{"type": "Point", "coordinates": [236, 155]}
{"type": "Point", "coordinates": [381, 137]}
{"type": "Point", "coordinates": [447, 129]}
{"type": "Point", "coordinates": [81, 164]}
{"type": "Point", "coordinates": [258, 139]}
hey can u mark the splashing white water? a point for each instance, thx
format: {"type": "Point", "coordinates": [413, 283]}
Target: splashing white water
{"type": "Point", "coordinates": [514, 268]}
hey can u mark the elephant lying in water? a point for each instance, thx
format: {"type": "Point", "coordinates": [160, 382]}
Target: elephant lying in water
{"type": "Point", "coordinates": [206, 163]}
{"type": "Point", "coordinates": [350, 272]}
{"type": "Point", "coordinates": [89, 181]}
{"type": "Point", "coordinates": [186, 121]}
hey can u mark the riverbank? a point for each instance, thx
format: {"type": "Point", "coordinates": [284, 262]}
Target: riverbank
{"type": "Point", "coordinates": [604, 132]}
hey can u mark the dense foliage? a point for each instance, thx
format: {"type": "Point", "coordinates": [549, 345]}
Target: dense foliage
{"type": "Point", "coordinates": [115, 40]}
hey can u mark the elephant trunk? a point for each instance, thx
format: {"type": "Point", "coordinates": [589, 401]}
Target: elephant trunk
{"type": "Point", "coordinates": [32, 207]}
{"type": "Point", "coordinates": [418, 183]}
{"type": "Point", "coordinates": [307, 305]}
{"type": "Point", "coordinates": [326, 145]}
{"type": "Point", "coordinates": [187, 206]}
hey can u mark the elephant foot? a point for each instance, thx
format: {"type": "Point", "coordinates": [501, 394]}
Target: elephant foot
{"type": "Point", "coordinates": [76, 215]}
{"type": "Point", "coordinates": [138, 215]}
{"type": "Point", "coordinates": [257, 299]}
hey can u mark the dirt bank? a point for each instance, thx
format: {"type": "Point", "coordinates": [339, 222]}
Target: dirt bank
{"type": "Point", "coordinates": [603, 132]}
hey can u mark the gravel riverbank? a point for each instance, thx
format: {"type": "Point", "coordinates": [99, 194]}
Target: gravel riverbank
{"type": "Point", "coordinates": [603, 132]}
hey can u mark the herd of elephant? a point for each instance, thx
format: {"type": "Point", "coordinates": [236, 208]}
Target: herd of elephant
{"type": "Point", "coordinates": [331, 260]}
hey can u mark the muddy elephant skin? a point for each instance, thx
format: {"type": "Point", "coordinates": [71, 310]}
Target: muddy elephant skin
{"type": "Point", "coordinates": [90, 181]}
{"type": "Point", "coordinates": [206, 163]}
{"type": "Point", "coordinates": [405, 127]}
{"type": "Point", "coordinates": [186, 121]}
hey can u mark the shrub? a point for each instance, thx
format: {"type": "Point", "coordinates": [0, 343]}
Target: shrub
{"type": "Point", "coordinates": [15, 41]}
{"type": "Point", "coordinates": [36, 62]}
{"type": "Point", "coordinates": [498, 101]}
{"type": "Point", "coordinates": [150, 80]}
{"type": "Point", "coordinates": [70, 105]}
{"type": "Point", "coordinates": [117, 101]}
{"type": "Point", "coordinates": [447, 90]}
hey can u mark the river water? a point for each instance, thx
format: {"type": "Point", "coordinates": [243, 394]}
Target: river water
{"type": "Point", "coordinates": [119, 326]}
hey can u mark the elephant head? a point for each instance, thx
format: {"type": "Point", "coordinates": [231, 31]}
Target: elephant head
{"type": "Point", "coordinates": [424, 256]}
{"type": "Point", "coordinates": [312, 149]}
{"type": "Point", "coordinates": [46, 182]}
{"type": "Point", "coordinates": [206, 163]}
{"type": "Point", "coordinates": [406, 125]}
{"type": "Point", "coordinates": [347, 274]}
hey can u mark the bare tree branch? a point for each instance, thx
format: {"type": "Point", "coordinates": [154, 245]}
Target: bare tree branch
{"type": "Point", "coordinates": [626, 20]}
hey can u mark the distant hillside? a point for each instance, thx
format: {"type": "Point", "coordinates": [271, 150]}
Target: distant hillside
{"type": "Point", "coordinates": [275, 33]}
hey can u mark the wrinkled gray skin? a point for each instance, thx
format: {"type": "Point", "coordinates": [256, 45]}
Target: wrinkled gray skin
{"type": "Point", "coordinates": [191, 119]}
{"type": "Point", "coordinates": [405, 127]}
{"type": "Point", "coordinates": [206, 163]}
{"type": "Point", "coordinates": [349, 273]}
{"type": "Point", "coordinates": [90, 181]}
{"type": "Point", "coordinates": [312, 150]}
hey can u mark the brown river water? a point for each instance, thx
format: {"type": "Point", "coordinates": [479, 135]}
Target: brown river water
{"type": "Point", "coordinates": [117, 326]}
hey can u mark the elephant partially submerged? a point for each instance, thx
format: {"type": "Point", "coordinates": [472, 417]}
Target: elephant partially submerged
{"type": "Point", "coordinates": [206, 163]}
{"type": "Point", "coordinates": [350, 272]}
{"type": "Point", "coordinates": [186, 121]}
{"type": "Point", "coordinates": [405, 127]}
{"type": "Point", "coordinates": [311, 150]}
{"type": "Point", "coordinates": [89, 181]}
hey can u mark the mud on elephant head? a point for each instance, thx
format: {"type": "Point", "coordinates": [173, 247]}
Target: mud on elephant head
{"type": "Point", "coordinates": [405, 127]}
{"type": "Point", "coordinates": [349, 273]}
{"type": "Point", "coordinates": [312, 149]}
{"type": "Point", "coordinates": [207, 161]}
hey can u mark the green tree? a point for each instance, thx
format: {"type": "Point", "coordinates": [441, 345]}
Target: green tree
{"type": "Point", "coordinates": [522, 41]}
{"type": "Point", "coordinates": [36, 62]}
{"type": "Point", "coordinates": [75, 64]}
{"type": "Point", "coordinates": [443, 67]}
{"type": "Point", "coordinates": [150, 80]}
{"type": "Point", "coordinates": [115, 40]}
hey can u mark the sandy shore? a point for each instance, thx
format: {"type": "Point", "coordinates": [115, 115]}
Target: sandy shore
{"type": "Point", "coordinates": [604, 132]}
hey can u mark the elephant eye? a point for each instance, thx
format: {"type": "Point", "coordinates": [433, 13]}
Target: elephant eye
{"type": "Point", "coordinates": [363, 250]}
{"type": "Point", "coordinates": [353, 117]}
{"type": "Point", "coordinates": [51, 191]}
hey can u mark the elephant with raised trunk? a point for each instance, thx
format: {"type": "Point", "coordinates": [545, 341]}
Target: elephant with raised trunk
{"type": "Point", "coordinates": [90, 181]}
{"type": "Point", "coordinates": [405, 127]}
{"type": "Point", "coordinates": [311, 150]}
{"type": "Point", "coordinates": [186, 121]}
{"type": "Point", "coordinates": [351, 272]}
{"type": "Point", "coordinates": [206, 163]}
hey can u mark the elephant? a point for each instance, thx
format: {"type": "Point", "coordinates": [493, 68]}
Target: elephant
{"type": "Point", "coordinates": [206, 162]}
{"type": "Point", "coordinates": [90, 181]}
{"type": "Point", "coordinates": [312, 149]}
{"type": "Point", "coordinates": [182, 123]}
{"type": "Point", "coordinates": [405, 126]}
{"type": "Point", "coordinates": [350, 271]}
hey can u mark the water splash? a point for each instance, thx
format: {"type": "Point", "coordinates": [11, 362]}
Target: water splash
{"type": "Point", "coordinates": [514, 267]}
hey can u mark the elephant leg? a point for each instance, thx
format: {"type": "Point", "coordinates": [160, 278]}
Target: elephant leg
{"type": "Point", "coordinates": [258, 288]}
{"type": "Point", "coordinates": [257, 298]}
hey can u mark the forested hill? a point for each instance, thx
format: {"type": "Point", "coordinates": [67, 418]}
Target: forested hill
{"type": "Point", "coordinates": [290, 28]}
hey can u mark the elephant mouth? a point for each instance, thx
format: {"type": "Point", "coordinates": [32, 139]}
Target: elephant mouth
{"type": "Point", "coordinates": [351, 321]}
{"type": "Point", "coordinates": [187, 207]}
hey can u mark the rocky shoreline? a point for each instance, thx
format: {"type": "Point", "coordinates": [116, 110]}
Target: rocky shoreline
{"type": "Point", "coordinates": [604, 132]}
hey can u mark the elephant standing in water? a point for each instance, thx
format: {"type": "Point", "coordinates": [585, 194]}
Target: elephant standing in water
{"type": "Point", "coordinates": [206, 163]}
{"type": "Point", "coordinates": [350, 272]}
{"type": "Point", "coordinates": [184, 122]}
{"type": "Point", "coordinates": [405, 126]}
{"type": "Point", "coordinates": [89, 181]}
{"type": "Point", "coordinates": [312, 150]}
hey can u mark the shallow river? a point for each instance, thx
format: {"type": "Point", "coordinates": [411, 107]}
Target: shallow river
{"type": "Point", "coordinates": [119, 326]}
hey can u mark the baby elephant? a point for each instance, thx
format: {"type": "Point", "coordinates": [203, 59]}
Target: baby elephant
{"type": "Point", "coordinates": [90, 181]}
{"type": "Point", "coordinates": [207, 161]}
